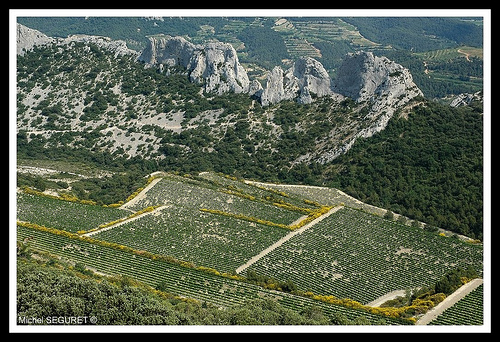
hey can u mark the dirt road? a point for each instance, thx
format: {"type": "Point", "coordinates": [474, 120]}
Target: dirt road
{"type": "Point", "coordinates": [284, 239]}
{"type": "Point", "coordinates": [449, 301]}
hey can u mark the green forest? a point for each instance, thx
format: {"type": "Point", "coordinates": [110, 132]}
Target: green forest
{"type": "Point", "coordinates": [52, 289]}
{"type": "Point", "coordinates": [428, 167]}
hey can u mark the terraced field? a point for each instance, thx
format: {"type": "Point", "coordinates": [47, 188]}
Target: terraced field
{"type": "Point", "coordinates": [468, 311]}
{"type": "Point", "coordinates": [357, 255]}
{"type": "Point", "coordinates": [201, 229]}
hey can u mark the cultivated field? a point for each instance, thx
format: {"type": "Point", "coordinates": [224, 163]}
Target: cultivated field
{"type": "Point", "coordinates": [194, 234]}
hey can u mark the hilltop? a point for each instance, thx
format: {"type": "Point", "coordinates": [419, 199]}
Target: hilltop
{"type": "Point", "coordinates": [265, 42]}
{"type": "Point", "coordinates": [378, 86]}
{"type": "Point", "coordinates": [88, 98]}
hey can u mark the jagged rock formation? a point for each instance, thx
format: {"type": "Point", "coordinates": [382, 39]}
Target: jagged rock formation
{"type": "Point", "coordinates": [306, 77]}
{"type": "Point", "coordinates": [363, 76]}
{"type": "Point", "coordinates": [214, 65]}
{"type": "Point", "coordinates": [28, 38]}
{"type": "Point", "coordinates": [168, 51]}
{"type": "Point", "coordinates": [379, 86]}
{"type": "Point", "coordinates": [465, 99]}
{"type": "Point", "coordinates": [384, 85]}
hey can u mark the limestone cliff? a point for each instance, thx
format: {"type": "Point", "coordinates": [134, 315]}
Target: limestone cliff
{"type": "Point", "coordinates": [304, 79]}
{"type": "Point", "coordinates": [363, 76]}
{"type": "Point", "coordinates": [383, 85]}
{"type": "Point", "coordinates": [28, 38]}
{"type": "Point", "coordinates": [214, 65]}
{"type": "Point", "coordinates": [168, 51]}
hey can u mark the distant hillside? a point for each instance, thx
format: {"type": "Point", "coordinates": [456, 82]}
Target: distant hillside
{"type": "Point", "coordinates": [420, 33]}
{"type": "Point", "coordinates": [82, 101]}
{"type": "Point", "coordinates": [280, 40]}
{"type": "Point", "coordinates": [427, 164]}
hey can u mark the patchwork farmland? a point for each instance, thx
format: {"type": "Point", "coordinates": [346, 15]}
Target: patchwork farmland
{"type": "Point", "coordinates": [193, 234]}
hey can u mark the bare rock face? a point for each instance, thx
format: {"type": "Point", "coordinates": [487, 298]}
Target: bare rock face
{"type": "Point", "coordinates": [305, 78]}
{"type": "Point", "coordinates": [465, 99]}
{"type": "Point", "coordinates": [217, 66]}
{"type": "Point", "coordinates": [214, 65]}
{"type": "Point", "coordinates": [363, 76]}
{"type": "Point", "coordinates": [28, 38]}
{"type": "Point", "coordinates": [383, 85]}
{"type": "Point", "coordinates": [169, 51]}
{"type": "Point", "coordinates": [312, 79]}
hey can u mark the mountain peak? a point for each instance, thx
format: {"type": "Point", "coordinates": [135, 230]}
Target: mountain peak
{"type": "Point", "coordinates": [215, 64]}
{"type": "Point", "coordinates": [304, 78]}
{"type": "Point", "coordinates": [363, 76]}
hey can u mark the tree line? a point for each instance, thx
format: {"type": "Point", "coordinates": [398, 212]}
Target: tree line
{"type": "Point", "coordinates": [51, 289]}
{"type": "Point", "coordinates": [428, 167]}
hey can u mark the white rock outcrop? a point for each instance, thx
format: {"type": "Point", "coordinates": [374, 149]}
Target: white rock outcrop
{"type": "Point", "coordinates": [465, 99]}
{"type": "Point", "coordinates": [304, 79]}
{"type": "Point", "coordinates": [215, 65]}
{"type": "Point", "coordinates": [168, 51]}
{"type": "Point", "coordinates": [363, 76]}
{"type": "Point", "coordinates": [27, 38]}
{"type": "Point", "coordinates": [384, 85]}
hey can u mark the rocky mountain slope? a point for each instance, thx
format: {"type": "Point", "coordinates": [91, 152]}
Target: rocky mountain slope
{"type": "Point", "coordinates": [215, 65]}
{"type": "Point", "coordinates": [28, 38]}
{"type": "Point", "coordinates": [88, 86]}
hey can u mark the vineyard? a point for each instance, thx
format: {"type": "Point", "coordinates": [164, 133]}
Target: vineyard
{"type": "Point", "coordinates": [193, 233]}
{"type": "Point", "coordinates": [468, 311]}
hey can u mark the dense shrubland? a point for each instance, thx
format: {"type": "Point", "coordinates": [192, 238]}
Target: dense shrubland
{"type": "Point", "coordinates": [428, 167]}
{"type": "Point", "coordinates": [50, 289]}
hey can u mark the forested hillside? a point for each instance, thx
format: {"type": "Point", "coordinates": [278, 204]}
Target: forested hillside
{"type": "Point", "coordinates": [427, 165]}
{"type": "Point", "coordinates": [82, 103]}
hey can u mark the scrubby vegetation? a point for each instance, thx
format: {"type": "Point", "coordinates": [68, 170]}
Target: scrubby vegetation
{"type": "Point", "coordinates": [51, 289]}
{"type": "Point", "coordinates": [205, 246]}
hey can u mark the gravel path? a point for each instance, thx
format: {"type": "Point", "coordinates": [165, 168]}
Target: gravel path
{"type": "Point", "coordinates": [141, 194]}
{"type": "Point", "coordinates": [391, 295]}
{"type": "Point", "coordinates": [449, 301]}
{"type": "Point", "coordinates": [284, 239]}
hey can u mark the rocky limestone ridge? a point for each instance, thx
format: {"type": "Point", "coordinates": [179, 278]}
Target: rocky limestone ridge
{"type": "Point", "coordinates": [215, 65]}
{"type": "Point", "coordinates": [167, 51]}
{"type": "Point", "coordinates": [363, 76]}
{"type": "Point", "coordinates": [27, 38]}
{"type": "Point", "coordinates": [382, 84]}
{"type": "Point", "coordinates": [465, 99]}
{"type": "Point", "coordinates": [306, 77]}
